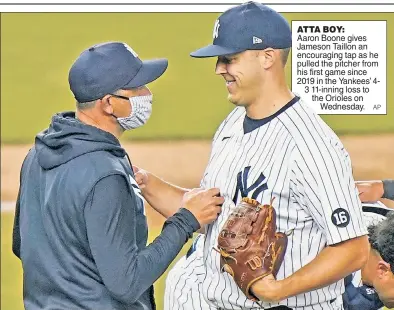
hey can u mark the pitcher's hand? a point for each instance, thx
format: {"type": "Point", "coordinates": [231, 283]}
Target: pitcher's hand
{"type": "Point", "coordinates": [141, 177]}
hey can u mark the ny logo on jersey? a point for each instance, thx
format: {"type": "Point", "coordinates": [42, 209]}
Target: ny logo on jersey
{"type": "Point", "coordinates": [242, 185]}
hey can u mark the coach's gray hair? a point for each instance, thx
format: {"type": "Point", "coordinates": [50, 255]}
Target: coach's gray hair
{"type": "Point", "coordinates": [284, 55]}
{"type": "Point", "coordinates": [91, 104]}
{"type": "Point", "coordinates": [85, 105]}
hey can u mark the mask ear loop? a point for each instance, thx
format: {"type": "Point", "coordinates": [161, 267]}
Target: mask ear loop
{"type": "Point", "coordinates": [125, 98]}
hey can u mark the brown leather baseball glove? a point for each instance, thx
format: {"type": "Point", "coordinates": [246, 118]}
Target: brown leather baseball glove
{"type": "Point", "coordinates": [249, 246]}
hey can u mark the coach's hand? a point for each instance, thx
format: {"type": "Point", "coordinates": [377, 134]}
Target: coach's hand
{"type": "Point", "coordinates": [205, 204]}
{"type": "Point", "coordinates": [268, 289]}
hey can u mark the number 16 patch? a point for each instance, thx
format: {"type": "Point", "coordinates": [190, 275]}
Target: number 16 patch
{"type": "Point", "coordinates": [340, 217]}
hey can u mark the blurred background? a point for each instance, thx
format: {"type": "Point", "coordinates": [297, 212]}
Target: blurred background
{"type": "Point", "coordinates": [37, 50]}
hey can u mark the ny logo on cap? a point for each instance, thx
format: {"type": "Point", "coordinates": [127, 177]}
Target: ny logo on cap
{"type": "Point", "coordinates": [130, 50]}
{"type": "Point", "coordinates": [216, 29]}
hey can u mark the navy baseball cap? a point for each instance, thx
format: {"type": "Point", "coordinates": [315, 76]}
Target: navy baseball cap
{"type": "Point", "coordinates": [107, 67]}
{"type": "Point", "coordinates": [249, 26]}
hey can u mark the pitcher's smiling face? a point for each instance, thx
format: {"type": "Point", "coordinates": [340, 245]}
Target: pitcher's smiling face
{"type": "Point", "coordinates": [243, 74]}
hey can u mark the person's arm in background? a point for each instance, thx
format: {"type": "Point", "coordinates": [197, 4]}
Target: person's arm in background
{"type": "Point", "coordinates": [375, 190]}
{"type": "Point", "coordinates": [110, 215]}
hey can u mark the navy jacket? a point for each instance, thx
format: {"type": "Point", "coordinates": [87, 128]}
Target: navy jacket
{"type": "Point", "coordinates": [360, 298]}
{"type": "Point", "coordinates": [80, 228]}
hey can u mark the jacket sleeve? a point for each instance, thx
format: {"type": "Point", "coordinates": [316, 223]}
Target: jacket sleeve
{"type": "Point", "coordinates": [110, 215]}
{"type": "Point", "coordinates": [388, 186]}
{"type": "Point", "coordinates": [16, 234]}
{"type": "Point", "coordinates": [357, 298]}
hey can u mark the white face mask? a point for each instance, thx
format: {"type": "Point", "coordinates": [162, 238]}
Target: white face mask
{"type": "Point", "coordinates": [141, 110]}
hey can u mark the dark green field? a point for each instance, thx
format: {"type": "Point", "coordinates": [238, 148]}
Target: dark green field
{"type": "Point", "coordinates": [190, 101]}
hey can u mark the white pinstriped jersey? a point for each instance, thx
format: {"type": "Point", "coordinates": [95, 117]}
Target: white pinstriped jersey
{"type": "Point", "coordinates": [184, 282]}
{"type": "Point", "coordinates": [183, 289]}
{"type": "Point", "coordinates": [296, 158]}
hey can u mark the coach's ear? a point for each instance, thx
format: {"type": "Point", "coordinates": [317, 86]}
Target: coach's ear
{"type": "Point", "coordinates": [106, 105]}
